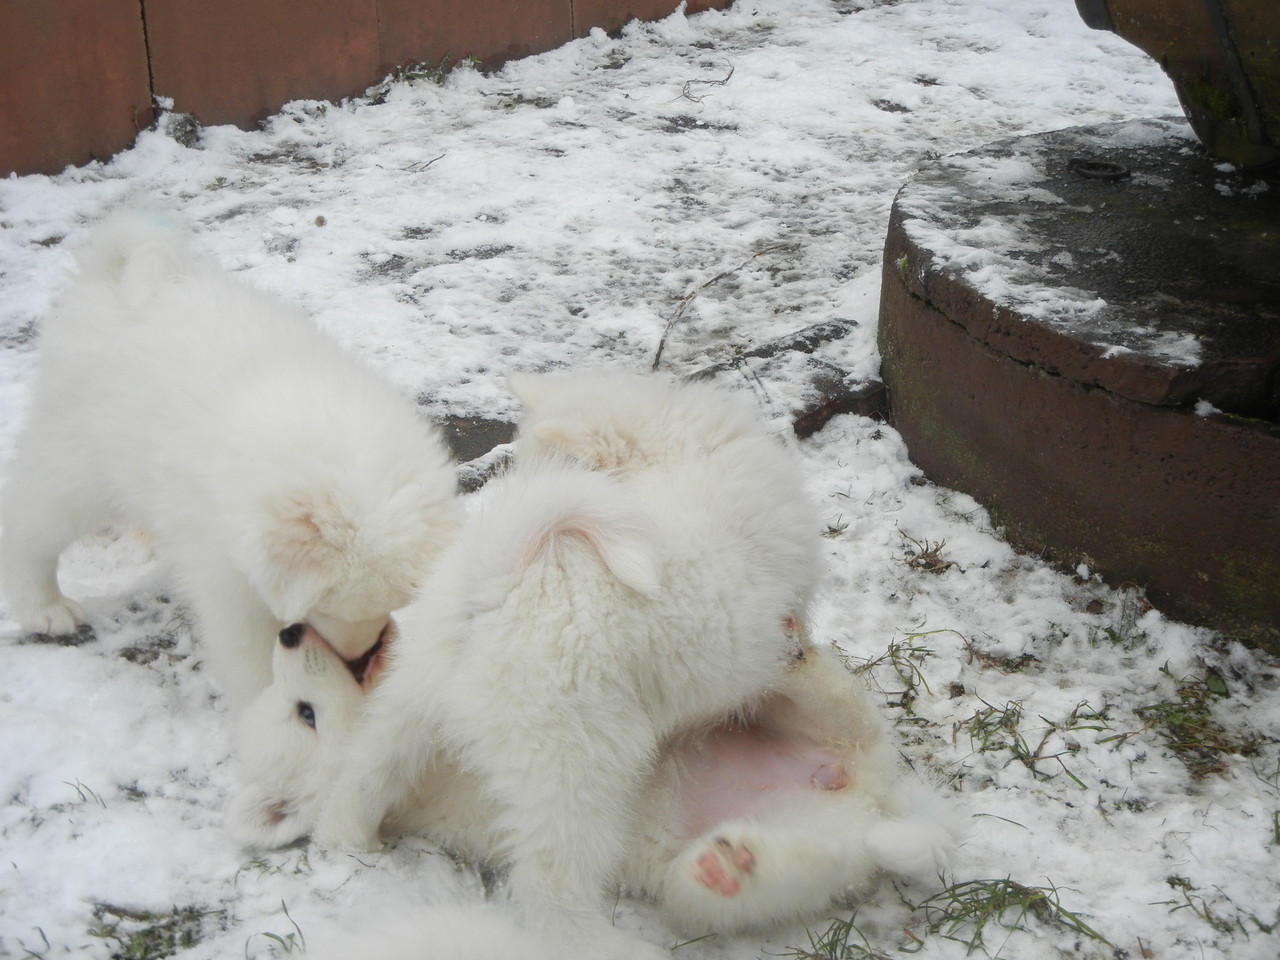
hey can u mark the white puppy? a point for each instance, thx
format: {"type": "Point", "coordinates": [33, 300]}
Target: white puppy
{"type": "Point", "coordinates": [415, 932]}
{"type": "Point", "coordinates": [741, 823]}
{"type": "Point", "coordinates": [582, 618]}
{"type": "Point", "coordinates": [280, 476]}
{"type": "Point", "coordinates": [630, 424]}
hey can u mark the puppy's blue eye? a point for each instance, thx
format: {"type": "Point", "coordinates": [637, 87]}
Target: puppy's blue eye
{"type": "Point", "coordinates": [307, 714]}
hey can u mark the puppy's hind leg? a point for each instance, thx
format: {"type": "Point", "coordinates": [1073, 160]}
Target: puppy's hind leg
{"type": "Point", "coordinates": [567, 772]}
{"type": "Point", "coordinates": [49, 503]}
{"type": "Point", "coordinates": [750, 873]}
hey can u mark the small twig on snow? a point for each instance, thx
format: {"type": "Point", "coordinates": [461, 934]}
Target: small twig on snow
{"type": "Point", "coordinates": [688, 85]}
{"type": "Point", "coordinates": [689, 297]}
{"type": "Point", "coordinates": [423, 164]}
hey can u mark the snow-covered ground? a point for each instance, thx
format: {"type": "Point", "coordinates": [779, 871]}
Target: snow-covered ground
{"type": "Point", "coordinates": [560, 213]}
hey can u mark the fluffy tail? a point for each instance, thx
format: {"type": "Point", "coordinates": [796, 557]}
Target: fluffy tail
{"type": "Point", "coordinates": [137, 252]}
{"type": "Point", "coordinates": [528, 515]}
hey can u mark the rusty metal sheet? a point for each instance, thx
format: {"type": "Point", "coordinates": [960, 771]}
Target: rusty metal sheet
{"type": "Point", "coordinates": [73, 82]}
{"type": "Point", "coordinates": [491, 31]}
{"type": "Point", "coordinates": [238, 61]}
{"type": "Point", "coordinates": [611, 15]}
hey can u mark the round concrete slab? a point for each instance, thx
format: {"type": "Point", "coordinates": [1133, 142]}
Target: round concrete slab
{"type": "Point", "coordinates": [1082, 329]}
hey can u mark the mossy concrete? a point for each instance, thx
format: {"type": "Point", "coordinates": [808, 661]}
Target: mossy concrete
{"type": "Point", "coordinates": [1221, 58]}
{"type": "Point", "coordinates": [1083, 452]}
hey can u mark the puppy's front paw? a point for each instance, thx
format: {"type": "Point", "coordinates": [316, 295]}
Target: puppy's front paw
{"type": "Point", "coordinates": [347, 842]}
{"type": "Point", "coordinates": [63, 618]}
{"type": "Point", "coordinates": [344, 833]}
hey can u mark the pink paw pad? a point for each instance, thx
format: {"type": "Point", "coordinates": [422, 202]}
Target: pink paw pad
{"type": "Point", "coordinates": [722, 866]}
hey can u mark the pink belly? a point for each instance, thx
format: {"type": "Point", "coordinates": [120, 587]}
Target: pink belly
{"type": "Point", "coordinates": [739, 771]}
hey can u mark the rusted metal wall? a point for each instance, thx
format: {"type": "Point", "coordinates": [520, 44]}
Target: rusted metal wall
{"type": "Point", "coordinates": [236, 61]}
{"type": "Point", "coordinates": [73, 82]}
{"type": "Point", "coordinates": [77, 76]}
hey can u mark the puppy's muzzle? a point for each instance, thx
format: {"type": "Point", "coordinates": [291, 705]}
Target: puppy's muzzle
{"type": "Point", "coordinates": [351, 638]}
{"type": "Point", "coordinates": [364, 668]}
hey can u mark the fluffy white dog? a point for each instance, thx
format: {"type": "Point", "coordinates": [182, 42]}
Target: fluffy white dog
{"type": "Point", "coordinates": [741, 823]}
{"type": "Point", "coordinates": [280, 476]}
{"type": "Point", "coordinates": [403, 931]}
{"type": "Point", "coordinates": [587, 612]}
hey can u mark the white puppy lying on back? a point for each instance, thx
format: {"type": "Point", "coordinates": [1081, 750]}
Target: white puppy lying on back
{"type": "Point", "coordinates": [741, 823]}
{"type": "Point", "coordinates": [281, 477]}
{"type": "Point", "coordinates": [582, 618]}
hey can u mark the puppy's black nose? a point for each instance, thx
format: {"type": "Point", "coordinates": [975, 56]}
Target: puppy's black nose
{"type": "Point", "coordinates": [291, 635]}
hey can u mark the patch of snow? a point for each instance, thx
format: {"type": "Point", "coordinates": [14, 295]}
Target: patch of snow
{"type": "Point", "coordinates": [557, 213]}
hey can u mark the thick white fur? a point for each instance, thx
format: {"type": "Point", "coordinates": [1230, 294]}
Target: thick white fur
{"type": "Point", "coordinates": [414, 932]}
{"type": "Point", "coordinates": [283, 479]}
{"type": "Point", "coordinates": [809, 846]}
{"type": "Point", "coordinates": [628, 424]}
{"type": "Point", "coordinates": [583, 617]}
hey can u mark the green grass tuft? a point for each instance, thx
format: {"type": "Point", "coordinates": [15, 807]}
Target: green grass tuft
{"type": "Point", "coordinates": [842, 940]}
{"type": "Point", "coordinates": [146, 935]}
{"type": "Point", "coordinates": [1189, 729]}
{"type": "Point", "coordinates": [992, 729]}
{"type": "Point", "coordinates": [966, 912]}
{"type": "Point", "coordinates": [278, 944]}
{"type": "Point", "coordinates": [926, 555]}
{"type": "Point", "coordinates": [904, 658]}
{"type": "Point", "coordinates": [1218, 911]}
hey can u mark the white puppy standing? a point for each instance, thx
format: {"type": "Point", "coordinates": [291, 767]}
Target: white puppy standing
{"type": "Point", "coordinates": [588, 611]}
{"type": "Point", "coordinates": [281, 477]}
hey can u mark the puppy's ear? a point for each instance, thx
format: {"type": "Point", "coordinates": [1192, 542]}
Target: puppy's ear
{"type": "Point", "coordinates": [530, 388]}
{"type": "Point", "coordinates": [304, 543]}
{"type": "Point", "coordinates": [624, 541]}
{"type": "Point", "coordinates": [263, 820]}
{"type": "Point", "coordinates": [630, 557]}
{"type": "Point", "coordinates": [138, 251]}
{"type": "Point", "coordinates": [570, 437]}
